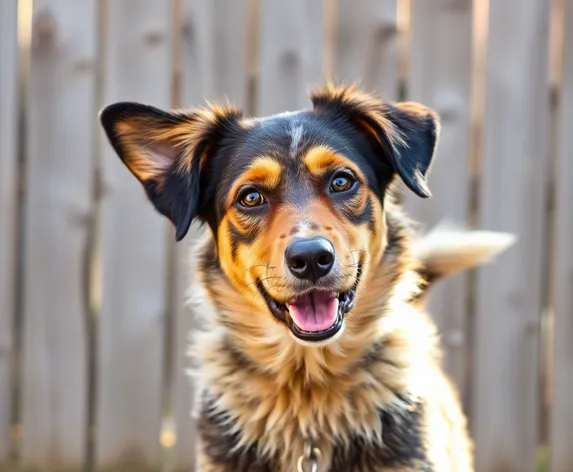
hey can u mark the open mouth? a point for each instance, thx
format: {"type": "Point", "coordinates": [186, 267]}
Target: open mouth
{"type": "Point", "coordinates": [315, 315]}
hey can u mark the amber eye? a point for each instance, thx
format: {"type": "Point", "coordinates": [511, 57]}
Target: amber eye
{"type": "Point", "coordinates": [251, 198]}
{"type": "Point", "coordinates": [341, 183]}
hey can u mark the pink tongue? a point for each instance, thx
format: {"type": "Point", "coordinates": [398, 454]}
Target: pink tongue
{"type": "Point", "coordinates": [315, 311]}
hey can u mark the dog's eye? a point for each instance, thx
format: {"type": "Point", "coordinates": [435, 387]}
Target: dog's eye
{"type": "Point", "coordinates": [251, 198]}
{"type": "Point", "coordinates": [342, 182]}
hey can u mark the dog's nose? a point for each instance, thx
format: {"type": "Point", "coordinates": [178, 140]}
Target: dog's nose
{"type": "Point", "coordinates": [310, 258]}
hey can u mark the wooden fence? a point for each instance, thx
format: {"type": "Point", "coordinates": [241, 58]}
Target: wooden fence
{"type": "Point", "coordinates": [92, 328]}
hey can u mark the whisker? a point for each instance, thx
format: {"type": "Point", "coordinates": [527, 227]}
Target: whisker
{"type": "Point", "coordinates": [255, 266]}
{"type": "Point", "coordinates": [263, 279]}
{"type": "Point", "coordinates": [356, 264]}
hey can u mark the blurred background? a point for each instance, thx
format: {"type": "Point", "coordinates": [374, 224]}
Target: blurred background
{"type": "Point", "coordinates": [93, 332]}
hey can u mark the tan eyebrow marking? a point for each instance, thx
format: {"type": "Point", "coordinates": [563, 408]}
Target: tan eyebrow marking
{"type": "Point", "coordinates": [263, 171]}
{"type": "Point", "coordinates": [321, 158]}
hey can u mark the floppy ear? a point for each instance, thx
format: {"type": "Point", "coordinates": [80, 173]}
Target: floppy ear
{"type": "Point", "coordinates": [165, 151]}
{"type": "Point", "coordinates": [406, 133]}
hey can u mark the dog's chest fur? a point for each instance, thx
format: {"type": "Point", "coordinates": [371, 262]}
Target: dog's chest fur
{"type": "Point", "coordinates": [362, 420]}
{"type": "Point", "coordinates": [401, 448]}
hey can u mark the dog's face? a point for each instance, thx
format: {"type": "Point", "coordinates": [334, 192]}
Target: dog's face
{"type": "Point", "coordinates": [295, 201]}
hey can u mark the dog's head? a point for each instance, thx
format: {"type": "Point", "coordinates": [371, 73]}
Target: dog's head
{"type": "Point", "coordinates": [295, 201]}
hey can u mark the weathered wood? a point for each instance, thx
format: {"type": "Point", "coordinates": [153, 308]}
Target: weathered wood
{"type": "Point", "coordinates": [214, 52]}
{"type": "Point", "coordinates": [440, 74]}
{"type": "Point", "coordinates": [138, 67]}
{"type": "Point", "coordinates": [562, 411]}
{"type": "Point", "coordinates": [213, 67]}
{"type": "Point", "coordinates": [509, 292]}
{"type": "Point", "coordinates": [366, 45]}
{"type": "Point", "coordinates": [60, 117]}
{"type": "Point", "coordinates": [8, 201]}
{"type": "Point", "coordinates": [291, 53]}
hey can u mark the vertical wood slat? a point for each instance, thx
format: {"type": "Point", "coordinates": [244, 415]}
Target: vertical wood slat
{"type": "Point", "coordinates": [291, 53]}
{"type": "Point", "coordinates": [440, 74]}
{"type": "Point", "coordinates": [366, 45]}
{"type": "Point", "coordinates": [213, 68]}
{"type": "Point", "coordinates": [214, 52]}
{"type": "Point", "coordinates": [509, 294]}
{"type": "Point", "coordinates": [562, 411]}
{"type": "Point", "coordinates": [58, 206]}
{"type": "Point", "coordinates": [8, 197]}
{"type": "Point", "coordinates": [137, 67]}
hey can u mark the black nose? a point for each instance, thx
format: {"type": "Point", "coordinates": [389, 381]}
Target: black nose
{"type": "Point", "coordinates": [310, 258]}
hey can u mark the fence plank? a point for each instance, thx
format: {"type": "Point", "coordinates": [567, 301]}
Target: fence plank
{"type": "Point", "coordinates": [509, 294]}
{"type": "Point", "coordinates": [291, 53]}
{"type": "Point", "coordinates": [8, 195]}
{"type": "Point", "coordinates": [366, 45]}
{"type": "Point", "coordinates": [138, 67]}
{"type": "Point", "coordinates": [213, 68]}
{"type": "Point", "coordinates": [214, 51]}
{"type": "Point", "coordinates": [440, 74]}
{"type": "Point", "coordinates": [562, 412]}
{"type": "Point", "coordinates": [58, 206]}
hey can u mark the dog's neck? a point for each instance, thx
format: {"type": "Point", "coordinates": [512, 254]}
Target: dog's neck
{"type": "Point", "coordinates": [273, 388]}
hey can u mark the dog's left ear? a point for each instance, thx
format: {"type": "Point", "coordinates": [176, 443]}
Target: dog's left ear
{"type": "Point", "coordinates": [166, 150]}
{"type": "Point", "coordinates": [406, 133]}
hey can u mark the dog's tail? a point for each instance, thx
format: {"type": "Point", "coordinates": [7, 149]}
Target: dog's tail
{"type": "Point", "coordinates": [447, 249]}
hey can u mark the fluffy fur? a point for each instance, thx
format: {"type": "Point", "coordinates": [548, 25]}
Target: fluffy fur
{"type": "Point", "coordinates": [371, 397]}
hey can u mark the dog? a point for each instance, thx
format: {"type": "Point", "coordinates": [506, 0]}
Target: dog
{"type": "Point", "coordinates": [317, 352]}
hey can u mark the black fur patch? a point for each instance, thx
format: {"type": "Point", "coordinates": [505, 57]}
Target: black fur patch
{"type": "Point", "coordinates": [397, 236]}
{"type": "Point", "coordinates": [208, 260]}
{"type": "Point", "coordinates": [414, 159]}
{"type": "Point", "coordinates": [219, 445]}
{"type": "Point", "coordinates": [372, 356]}
{"type": "Point", "coordinates": [403, 445]}
{"type": "Point", "coordinates": [209, 265]}
{"type": "Point", "coordinates": [238, 238]}
{"type": "Point", "coordinates": [367, 216]}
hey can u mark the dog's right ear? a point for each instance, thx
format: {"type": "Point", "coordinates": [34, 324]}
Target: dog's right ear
{"type": "Point", "coordinates": [405, 134]}
{"type": "Point", "coordinates": [165, 151]}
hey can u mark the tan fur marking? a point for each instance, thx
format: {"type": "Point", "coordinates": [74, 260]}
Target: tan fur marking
{"type": "Point", "coordinates": [138, 160]}
{"type": "Point", "coordinates": [264, 171]}
{"type": "Point", "coordinates": [319, 159]}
